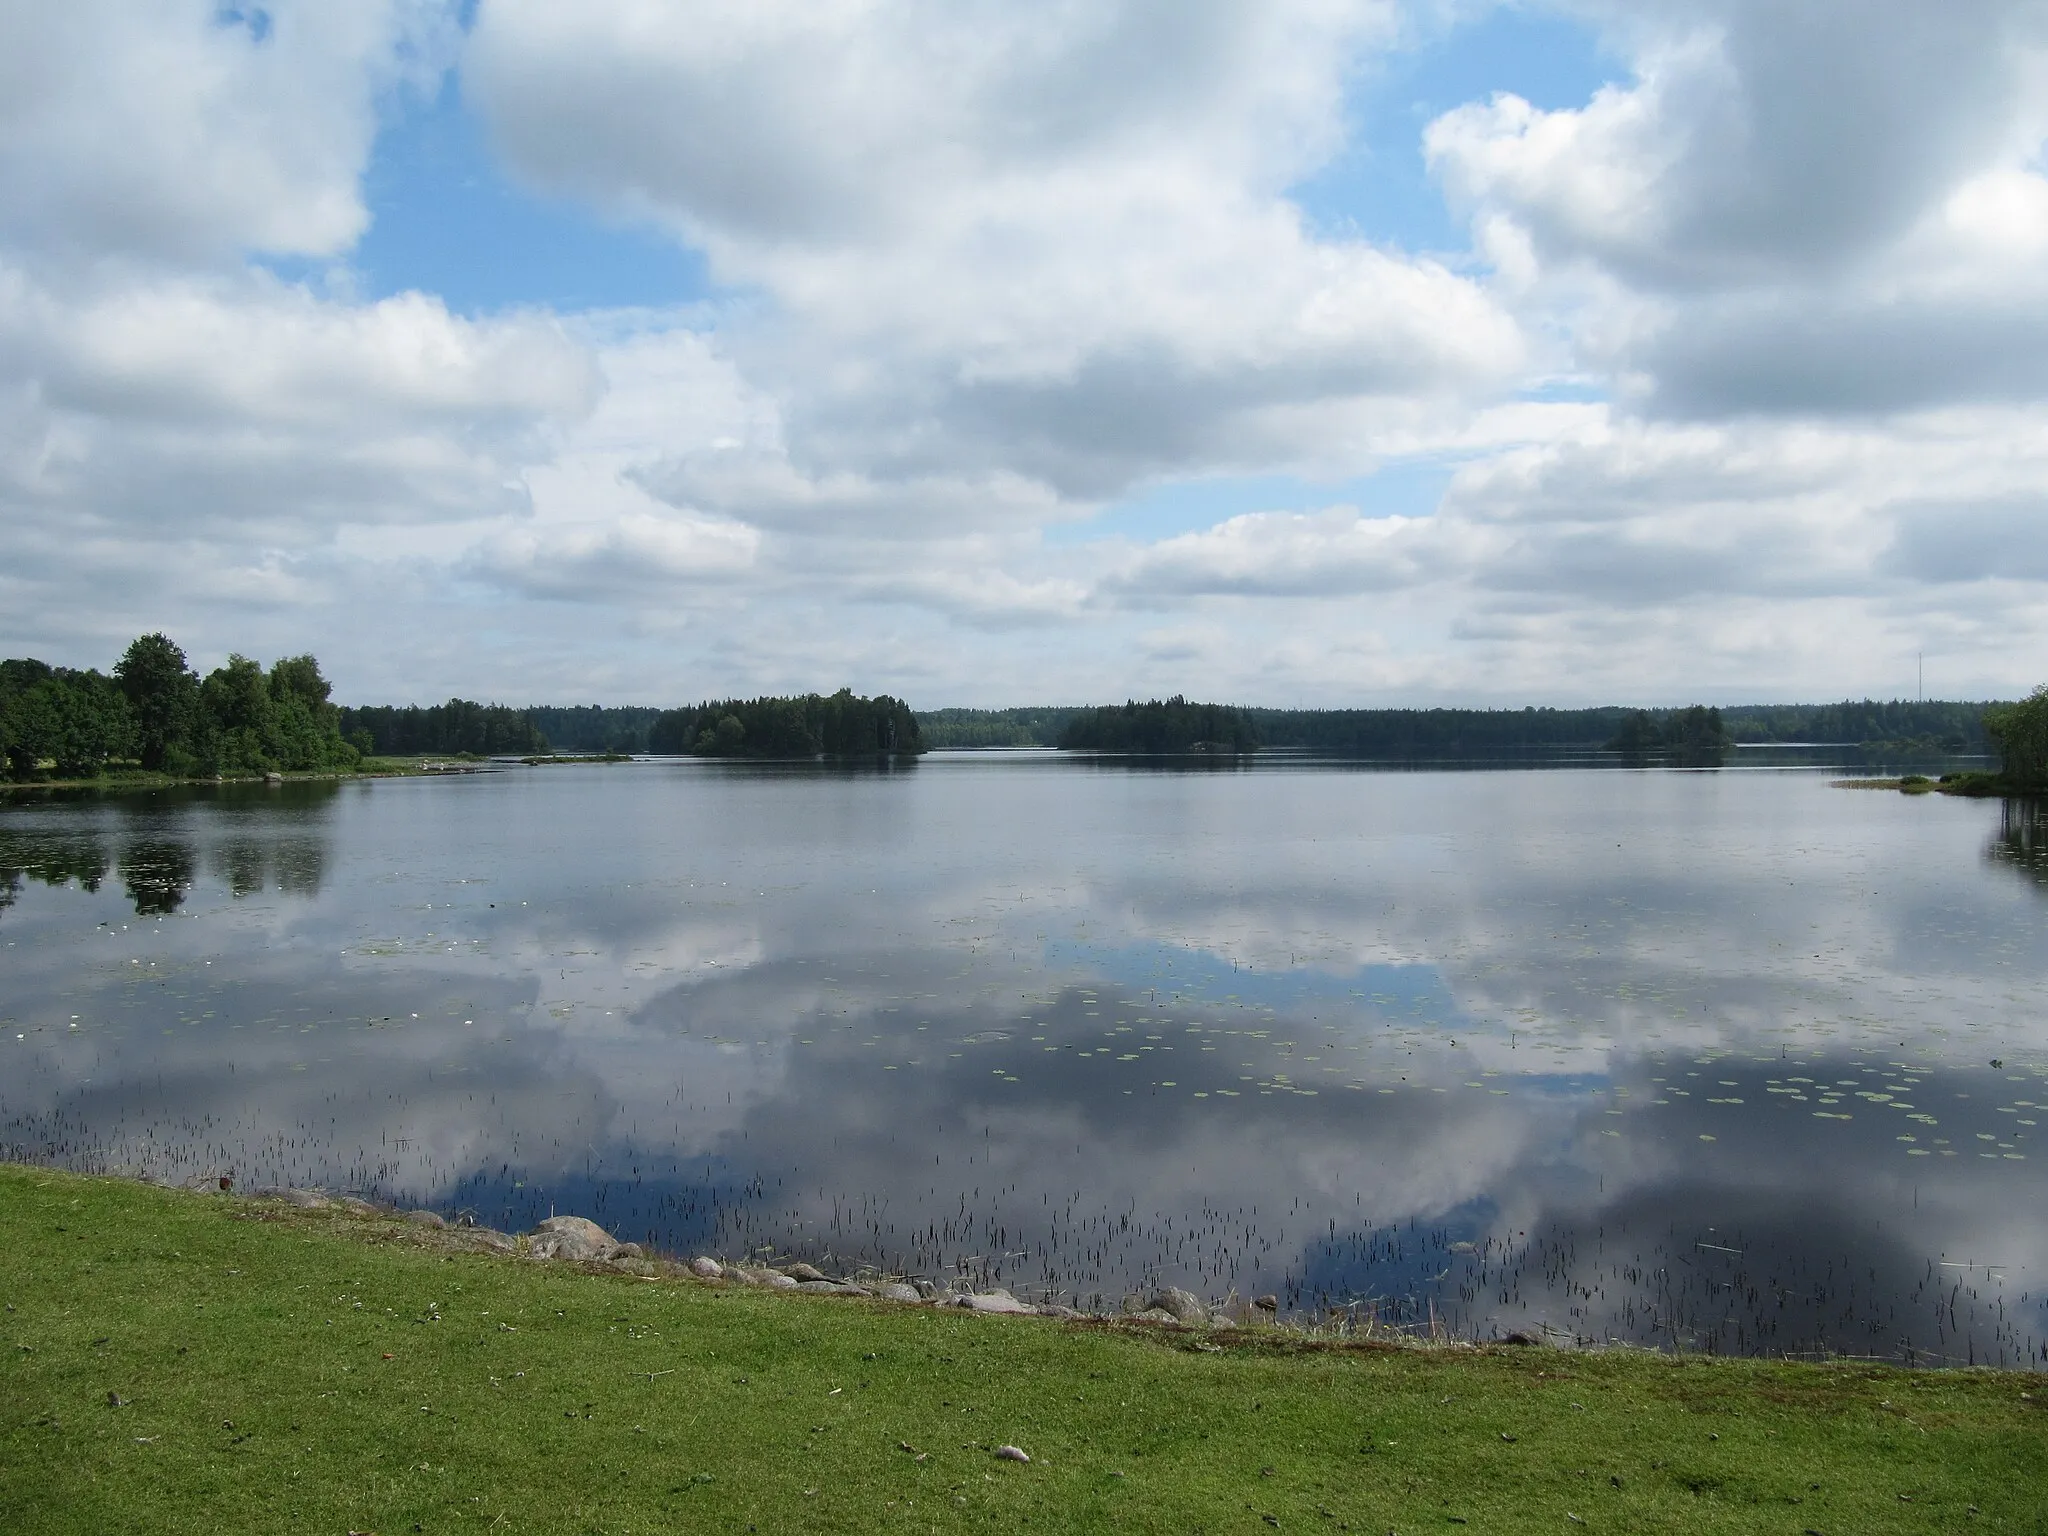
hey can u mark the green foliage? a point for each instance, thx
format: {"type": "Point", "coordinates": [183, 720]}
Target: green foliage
{"type": "Point", "coordinates": [200, 1363]}
{"type": "Point", "coordinates": [488, 730]}
{"type": "Point", "coordinates": [595, 728]}
{"type": "Point", "coordinates": [947, 730]}
{"type": "Point", "coordinates": [73, 722]}
{"type": "Point", "coordinates": [2021, 732]}
{"type": "Point", "coordinates": [162, 694]}
{"type": "Point", "coordinates": [806, 725]}
{"type": "Point", "coordinates": [153, 712]}
{"type": "Point", "coordinates": [1689, 738]}
{"type": "Point", "coordinates": [1161, 726]}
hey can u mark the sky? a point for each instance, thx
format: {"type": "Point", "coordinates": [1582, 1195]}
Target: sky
{"type": "Point", "coordinates": [1294, 352]}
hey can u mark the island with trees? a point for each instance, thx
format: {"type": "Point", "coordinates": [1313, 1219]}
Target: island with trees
{"type": "Point", "coordinates": [1161, 727]}
{"type": "Point", "coordinates": [839, 725]}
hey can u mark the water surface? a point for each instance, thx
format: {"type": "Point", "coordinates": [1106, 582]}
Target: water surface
{"type": "Point", "coordinates": [1729, 1061]}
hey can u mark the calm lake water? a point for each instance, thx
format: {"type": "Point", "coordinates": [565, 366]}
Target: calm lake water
{"type": "Point", "coordinates": [1729, 1061]}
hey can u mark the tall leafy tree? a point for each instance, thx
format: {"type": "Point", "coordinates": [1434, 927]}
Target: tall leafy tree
{"type": "Point", "coordinates": [162, 694]}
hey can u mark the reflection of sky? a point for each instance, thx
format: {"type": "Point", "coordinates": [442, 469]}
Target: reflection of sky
{"type": "Point", "coordinates": [1668, 1056]}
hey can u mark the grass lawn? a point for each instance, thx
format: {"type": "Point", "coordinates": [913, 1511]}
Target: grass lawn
{"type": "Point", "coordinates": [179, 1362]}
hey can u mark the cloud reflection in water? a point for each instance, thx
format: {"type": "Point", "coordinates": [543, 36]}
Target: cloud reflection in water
{"type": "Point", "coordinates": [1670, 1058]}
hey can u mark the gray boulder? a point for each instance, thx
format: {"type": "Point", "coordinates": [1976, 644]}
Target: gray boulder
{"type": "Point", "coordinates": [1156, 1315]}
{"type": "Point", "coordinates": [1183, 1306]}
{"type": "Point", "coordinates": [896, 1290]}
{"type": "Point", "coordinates": [575, 1238]}
{"type": "Point", "coordinates": [491, 1240]}
{"type": "Point", "coordinates": [426, 1218]}
{"type": "Point", "coordinates": [804, 1272]}
{"type": "Point", "coordinates": [705, 1268]}
{"type": "Point", "coordinates": [305, 1199]}
{"type": "Point", "coordinates": [998, 1301]}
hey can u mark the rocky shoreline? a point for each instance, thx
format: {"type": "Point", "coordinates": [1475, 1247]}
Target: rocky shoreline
{"type": "Point", "coordinates": [578, 1240]}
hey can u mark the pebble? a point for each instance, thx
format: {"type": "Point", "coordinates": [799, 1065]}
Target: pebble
{"type": "Point", "coordinates": [1011, 1453]}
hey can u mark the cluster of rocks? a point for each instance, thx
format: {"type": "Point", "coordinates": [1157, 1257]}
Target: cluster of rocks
{"type": "Point", "coordinates": [576, 1239]}
{"type": "Point", "coordinates": [1170, 1305]}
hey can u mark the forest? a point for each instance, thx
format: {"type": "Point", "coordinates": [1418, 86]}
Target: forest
{"type": "Point", "coordinates": [460, 725]}
{"type": "Point", "coordinates": [594, 727]}
{"type": "Point", "coordinates": [969, 729]}
{"type": "Point", "coordinates": [1160, 726]}
{"type": "Point", "coordinates": [154, 713]}
{"type": "Point", "coordinates": [807, 725]}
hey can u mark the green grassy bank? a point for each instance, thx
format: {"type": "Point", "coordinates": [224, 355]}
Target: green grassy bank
{"type": "Point", "coordinates": [179, 1362]}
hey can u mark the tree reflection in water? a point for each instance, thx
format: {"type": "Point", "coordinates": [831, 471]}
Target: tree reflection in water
{"type": "Point", "coordinates": [2022, 840]}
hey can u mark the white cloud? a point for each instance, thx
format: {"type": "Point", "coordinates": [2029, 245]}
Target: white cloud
{"type": "Point", "coordinates": [988, 271]}
{"type": "Point", "coordinates": [191, 130]}
{"type": "Point", "coordinates": [1051, 242]}
{"type": "Point", "coordinates": [1287, 554]}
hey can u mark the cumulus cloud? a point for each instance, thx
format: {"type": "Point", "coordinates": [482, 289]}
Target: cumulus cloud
{"type": "Point", "coordinates": [191, 129]}
{"type": "Point", "coordinates": [1287, 554]}
{"type": "Point", "coordinates": [1050, 242]}
{"type": "Point", "coordinates": [1788, 208]}
{"type": "Point", "coordinates": [1741, 379]}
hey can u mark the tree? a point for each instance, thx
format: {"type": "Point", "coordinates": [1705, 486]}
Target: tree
{"type": "Point", "coordinates": [2021, 732]}
{"type": "Point", "coordinates": [162, 693]}
{"type": "Point", "coordinates": [241, 714]}
{"type": "Point", "coordinates": [75, 721]}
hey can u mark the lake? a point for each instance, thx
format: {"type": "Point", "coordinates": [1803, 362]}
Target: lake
{"type": "Point", "coordinates": [1727, 1061]}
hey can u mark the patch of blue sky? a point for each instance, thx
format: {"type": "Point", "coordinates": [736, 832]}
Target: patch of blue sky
{"type": "Point", "coordinates": [1379, 187]}
{"type": "Point", "coordinates": [1411, 991]}
{"type": "Point", "coordinates": [1411, 488]}
{"type": "Point", "coordinates": [252, 19]}
{"type": "Point", "coordinates": [447, 220]}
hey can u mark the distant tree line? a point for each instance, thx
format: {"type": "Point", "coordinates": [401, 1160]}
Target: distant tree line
{"type": "Point", "coordinates": [1900, 725]}
{"type": "Point", "coordinates": [595, 727]}
{"type": "Point", "coordinates": [1161, 726]}
{"type": "Point", "coordinates": [460, 725]}
{"type": "Point", "coordinates": [1437, 733]}
{"type": "Point", "coordinates": [808, 725]}
{"type": "Point", "coordinates": [959, 729]}
{"type": "Point", "coordinates": [155, 713]}
{"type": "Point", "coordinates": [1934, 725]}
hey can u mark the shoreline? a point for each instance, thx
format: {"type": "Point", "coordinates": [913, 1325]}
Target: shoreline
{"type": "Point", "coordinates": [230, 1363]}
